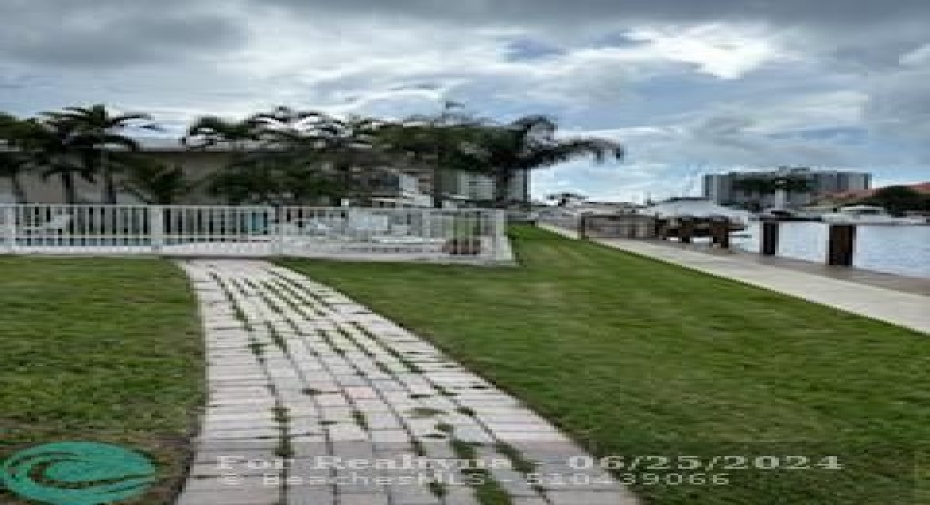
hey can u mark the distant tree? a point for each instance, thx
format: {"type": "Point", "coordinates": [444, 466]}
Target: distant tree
{"type": "Point", "coordinates": [756, 187]}
{"type": "Point", "coordinates": [899, 199]}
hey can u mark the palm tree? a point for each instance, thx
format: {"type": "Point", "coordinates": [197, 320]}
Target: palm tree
{"type": "Point", "coordinates": [332, 154]}
{"type": "Point", "coordinates": [12, 166]}
{"type": "Point", "coordinates": [46, 146]}
{"type": "Point", "coordinates": [208, 131]}
{"type": "Point", "coordinates": [156, 183]}
{"type": "Point", "coordinates": [284, 124]}
{"type": "Point", "coordinates": [438, 140]}
{"type": "Point", "coordinates": [14, 160]}
{"type": "Point", "coordinates": [93, 132]}
{"type": "Point", "coordinates": [350, 148]}
{"type": "Point", "coordinates": [526, 144]}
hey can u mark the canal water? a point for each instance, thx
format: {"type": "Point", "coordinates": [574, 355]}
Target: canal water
{"type": "Point", "coordinates": [902, 250]}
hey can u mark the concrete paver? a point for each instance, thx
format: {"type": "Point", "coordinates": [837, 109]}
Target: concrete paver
{"type": "Point", "coordinates": [301, 376]}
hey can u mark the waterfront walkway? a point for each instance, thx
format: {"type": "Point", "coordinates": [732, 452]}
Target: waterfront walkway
{"type": "Point", "coordinates": [298, 371]}
{"type": "Point", "coordinates": [871, 295]}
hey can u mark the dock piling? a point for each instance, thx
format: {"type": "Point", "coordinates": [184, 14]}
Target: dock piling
{"type": "Point", "coordinates": [841, 245]}
{"type": "Point", "coordinates": [720, 233]}
{"type": "Point", "coordinates": [769, 238]}
{"type": "Point", "coordinates": [685, 230]}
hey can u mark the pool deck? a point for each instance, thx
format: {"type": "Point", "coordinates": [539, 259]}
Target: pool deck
{"type": "Point", "coordinates": [902, 301]}
{"type": "Point", "coordinates": [492, 253]}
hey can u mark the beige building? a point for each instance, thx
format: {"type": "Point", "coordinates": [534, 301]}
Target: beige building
{"type": "Point", "coordinates": [410, 187]}
{"type": "Point", "coordinates": [197, 164]}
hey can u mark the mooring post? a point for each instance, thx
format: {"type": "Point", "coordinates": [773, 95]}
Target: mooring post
{"type": "Point", "coordinates": [685, 230]}
{"type": "Point", "coordinates": [841, 245]}
{"type": "Point", "coordinates": [720, 233]}
{"type": "Point", "coordinates": [724, 234]}
{"type": "Point", "coordinates": [769, 238]}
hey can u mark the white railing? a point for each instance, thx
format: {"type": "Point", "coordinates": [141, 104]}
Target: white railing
{"type": "Point", "coordinates": [560, 218]}
{"type": "Point", "coordinates": [343, 232]}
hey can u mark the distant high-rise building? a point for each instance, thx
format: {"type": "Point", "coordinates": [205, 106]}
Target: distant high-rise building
{"type": "Point", "coordinates": [724, 189]}
{"type": "Point", "coordinates": [480, 188]}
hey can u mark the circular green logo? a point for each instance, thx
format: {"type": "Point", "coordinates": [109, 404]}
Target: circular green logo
{"type": "Point", "coordinates": [77, 473]}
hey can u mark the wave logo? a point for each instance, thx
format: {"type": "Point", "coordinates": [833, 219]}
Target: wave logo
{"type": "Point", "coordinates": [77, 473]}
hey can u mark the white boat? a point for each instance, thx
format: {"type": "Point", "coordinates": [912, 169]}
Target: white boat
{"type": "Point", "coordinates": [694, 207]}
{"type": "Point", "coordinates": [776, 214]}
{"type": "Point", "coordinates": [869, 214]}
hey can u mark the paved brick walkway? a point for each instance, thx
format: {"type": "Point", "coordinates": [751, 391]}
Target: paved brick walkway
{"type": "Point", "coordinates": [305, 384]}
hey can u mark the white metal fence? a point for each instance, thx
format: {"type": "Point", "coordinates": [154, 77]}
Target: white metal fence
{"type": "Point", "coordinates": [343, 232]}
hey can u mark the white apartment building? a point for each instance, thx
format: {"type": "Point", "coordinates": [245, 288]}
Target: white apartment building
{"type": "Point", "coordinates": [723, 189]}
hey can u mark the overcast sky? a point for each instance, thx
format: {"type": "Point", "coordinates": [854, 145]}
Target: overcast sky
{"type": "Point", "coordinates": [690, 86]}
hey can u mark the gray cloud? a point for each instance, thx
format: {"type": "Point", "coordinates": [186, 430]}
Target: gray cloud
{"type": "Point", "coordinates": [111, 33]}
{"type": "Point", "coordinates": [726, 83]}
{"type": "Point", "coordinates": [833, 12]}
{"type": "Point", "coordinates": [898, 109]}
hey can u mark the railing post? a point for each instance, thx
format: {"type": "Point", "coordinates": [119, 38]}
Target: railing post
{"type": "Point", "coordinates": [9, 227]}
{"type": "Point", "coordinates": [499, 230]}
{"type": "Point", "coordinates": [426, 224]}
{"type": "Point", "coordinates": [583, 227]}
{"type": "Point", "coordinates": [842, 243]}
{"type": "Point", "coordinates": [632, 227]}
{"type": "Point", "coordinates": [157, 227]}
{"type": "Point", "coordinates": [769, 238]}
{"type": "Point", "coordinates": [277, 242]}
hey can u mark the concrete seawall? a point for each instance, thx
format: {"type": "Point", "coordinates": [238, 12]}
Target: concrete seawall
{"type": "Point", "coordinates": [907, 306]}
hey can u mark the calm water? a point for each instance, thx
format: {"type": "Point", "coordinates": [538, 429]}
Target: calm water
{"type": "Point", "coordinates": [902, 250]}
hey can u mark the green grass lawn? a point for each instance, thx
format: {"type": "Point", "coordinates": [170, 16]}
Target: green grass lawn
{"type": "Point", "coordinates": [102, 350]}
{"type": "Point", "coordinates": [635, 357]}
